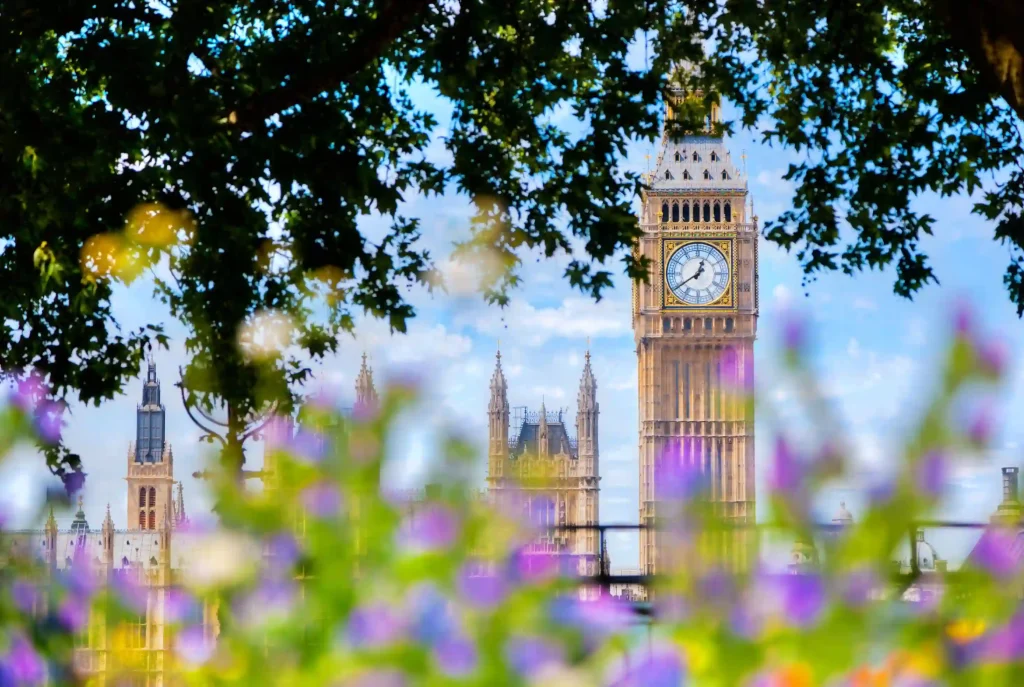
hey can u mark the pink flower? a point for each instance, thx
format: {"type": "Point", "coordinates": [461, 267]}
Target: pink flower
{"type": "Point", "coordinates": [192, 647]}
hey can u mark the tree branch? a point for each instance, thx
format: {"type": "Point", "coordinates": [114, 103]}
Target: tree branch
{"type": "Point", "coordinates": [393, 18]}
{"type": "Point", "coordinates": [992, 34]}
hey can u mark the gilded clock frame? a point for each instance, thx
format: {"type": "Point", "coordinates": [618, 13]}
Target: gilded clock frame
{"type": "Point", "coordinates": [673, 242]}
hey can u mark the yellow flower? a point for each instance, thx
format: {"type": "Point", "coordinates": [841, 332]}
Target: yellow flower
{"type": "Point", "coordinates": [966, 629]}
{"type": "Point", "coordinates": [795, 675]}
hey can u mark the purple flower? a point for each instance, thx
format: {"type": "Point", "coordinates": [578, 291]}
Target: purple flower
{"type": "Point", "coordinates": [456, 656]}
{"type": "Point", "coordinates": [533, 566]}
{"type": "Point", "coordinates": [675, 477]}
{"type": "Point", "coordinates": [785, 478]}
{"type": "Point", "coordinates": [375, 625]}
{"type": "Point", "coordinates": [79, 580]}
{"type": "Point", "coordinates": [365, 411]}
{"type": "Point", "coordinates": [794, 333]}
{"type": "Point", "coordinates": [1006, 644]}
{"type": "Point", "coordinates": [73, 482]}
{"type": "Point", "coordinates": [23, 593]}
{"type": "Point", "coordinates": [993, 356]}
{"type": "Point", "coordinates": [282, 553]}
{"type": "Point", "coordinates": [433, 528]}
{"type": "Point", "coordinates": [277, 432]}
{"type": "Point", "coordinates": [857, 586]}
{"type": "Point", "coordinates": [48, 420]}
{"type": "Point", "coordinates": [272, 599]}
{"type": "Point", "coordinates": [24, 663]}
{"type": "Point", "coordinates": [596, 619]}
{"type": "Point", "coordinates": [994, 553]}
{"type": "Point", "coordinates": [192, 646]}
{"type": "Point", "coordinates": [482, 591]}
{"type": "Point", "coordinates": [431, 616]}
{"type": "Point", "coordinates": [529, 655]}
{"type": "Point", "coordinates": [309, 445]}
{"type": "Point", "coordinates": [803, 598]}
{"type": "Point", "coordinates": [130, 593]}
{"type": "Point", "coordinates": [322, 500]}
{"type": "Point", "coordinates": [29, 391]}
{"type": "Point", "coordinates": [178, 605]}
{"type": "Point", "coordinates": [385, 677]}
{"type": "Point", "coordinates": [73, 613]}
{"type": "Point", "coordinates": [932, 472]}
{"type": "Point", "coordinates": [981, 426]}
{"type": "Point", "coordinates": [660, 666]}
{"type": "Point", "coordinates": [963, 319]}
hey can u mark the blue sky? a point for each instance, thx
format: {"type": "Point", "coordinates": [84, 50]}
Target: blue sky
{"type": "Point", "coordinates": [874, 352]}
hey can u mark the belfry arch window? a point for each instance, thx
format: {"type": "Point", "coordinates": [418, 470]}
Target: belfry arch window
{"type": "Point", "coordinates": [152, 519]}
{"type": "Point", "coordinates": [725, 175]}
{"type": "Point", "coordinates": [664, 212]}
{"type": "Point", "coordinates": [714, 156]}
{"type": "Point", "coordinates": [678, 157]}
{"type": "Point", "coordinates": [707, 174]}
{"type": "Point", "coordinates": [707, 323]}
{"type": "Point", "coordinates": [142, 519]}
{"type": "Point", "coordinates": [668, 174]}
{"type": "Point", "coordinates": [142, 497]}
{"type": "Point", "coordinates": [727, 211]}
{"type": "Point", "coordinates": [718, 212]}
{"type": "Point", "coordinates": [696, 157]}
{"type": "Point", "coordinates": [687, 324]}
{"type": "Point", "coordinates": [707, 211]}
{"type": "Point", "coordinates": [686, 175]}
{"type": "Point", "coordinates": [686, 212]}
{"type": "Point", "coordinates": [675, 212]}
{"type": "Point", "coordinates": [728, 324]}
{"type": "Point", "coordinates": [152, 497]}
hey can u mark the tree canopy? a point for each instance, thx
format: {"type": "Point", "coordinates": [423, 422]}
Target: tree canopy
{"type": "Point", "coordinates": [245, 142]}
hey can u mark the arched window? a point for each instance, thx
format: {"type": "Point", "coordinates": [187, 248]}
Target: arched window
{"type": "Point", "coordinates": [707, 174]}
{"type": "Point", "coordinates": [707, 323]}
{"type": "Point", "coordinates": [718, 212]}
{"type": "Point", "coordinates": [707, 211]}
{"type": "Point", "coordinates": [687, 324]}
{"type": "Point", "coordinates": [678, 157]}
{"type": "Point", "coordinates": [668, 174]}
{"type": "Point", "coordinates": [686, 212]}
{"type": "Point", "coordinates": [686, 175]}
{"type": "Point", "coordinates": [696, 157]}
{"type": "Point", "coordinates": [728, 324]}
{"type": "Point", "coordinates": [714, 156]}
{"type": "Point", "coordinates": [152, 519]}
{"type": "Point", "coordinates": [152, 497]}
{"type": "Point", "coordinates": [142, 497]}
{"type": "Point", "coordinates": [664, 212]}
{"type": "Point", "coordinates": [666, 324]}
{"type": "Point", "coordinates": [727, 209]}
{"type": "Point", "coordinates": [675, 212]}
{"type": "Point", "coordinates": [725, 175]}
{"type": "Point", "coordinates": [142, 519]}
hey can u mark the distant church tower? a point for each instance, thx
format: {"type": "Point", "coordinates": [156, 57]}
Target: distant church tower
{"type": "Point", "coordinates": [551, 476]}
{"type": "Point", "coordinates": [150, 463]}
{"type": "Point", "coordinates": [694, 324]}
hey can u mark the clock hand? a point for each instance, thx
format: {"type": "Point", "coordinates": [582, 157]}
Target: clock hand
{"type": "Point", "coordinates": [700, 270]}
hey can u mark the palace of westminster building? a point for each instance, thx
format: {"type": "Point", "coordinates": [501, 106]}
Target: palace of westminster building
{"type": "Point", "coordinates": [694, 321]}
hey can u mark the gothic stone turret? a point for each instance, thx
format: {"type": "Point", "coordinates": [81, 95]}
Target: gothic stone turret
{"type": "Point", "coordinates": [546, 474]}
{"type": "Point", "coordinates": [150, 461]}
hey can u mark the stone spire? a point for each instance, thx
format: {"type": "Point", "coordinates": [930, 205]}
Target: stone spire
{"type": "Point", "coordinates": [366, 394]}
{"type": "Point", "coordinates": [179, 507]}
{"type": "Point", "coordinates": [542, 430]}
{"type": "Point", "coordinates": [497, 424]}
{"type": "Point", "coordinates": [586, 419]}
{"type": "Point", "coordinates": [588, 386]}
{"type": "Point", "coordinates": [150, 422]}
{"type": "Point", "coordinates": [50, 537]}
{"type": "Point", "coordinates": [108, 540]}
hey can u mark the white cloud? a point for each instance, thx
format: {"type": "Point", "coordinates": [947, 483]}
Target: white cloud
{"type": "Point", "coordinates": [574, 318]}
{"type": "Point", "coordinates": [782, 295]}
{"type": "Point", "coordinates": [861, 303]}
{"type": "Point", "coordinates": [853, 349]}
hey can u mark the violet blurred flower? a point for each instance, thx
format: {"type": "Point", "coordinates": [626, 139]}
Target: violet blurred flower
{"type": "Point", "coordinates": [48, 420]}
{"type": "Point", "coordinates": [384, 677]}
{"type": "Point", "coordinates": [785, 478]}
{"type": "Point", "coordinates": [932, 471]}
{"type": "Point", "coordinates": [994, 553]}
{"type": "Point", "coordinates": [192, 647]}
{"type": "Point", "coordinates": [675, 479]}
{"type": "Point", "coordinates": [529, 655]}
{"type": "Point", "coordinates": [794, 333]}
{"type": "Point", "coordinates": [179, 605]}
{"type": "Point", "coordinates": [277, 433]}
{"type": "Point", "coordinates": [24, 664]}
{"type": "Point", "coordinates": [597, 619]}
{"type": "Point", "coordinates": [881, 493]}
{"type": "Point", "coordinates": [375, 625]}
{"type": "Point", "coordinates": [981, 426]}
{"type": "Point", "coordinates": [365, 411]}
{"type": "Point", "coordinates": [1005, 644]}
{"type": "Point", "coordinates": [533, 566]}
{"type": "Point", "coordinates": [432, 620]}
{"type": "Point", "coordinates": [308, 445]}
{"type": "Point", "coordinates": [23, 593]}
{"type": "Point", "coordinates": [322, 500]}
{"type": "Point", "coordinates": [963, 318]}
{"type": "Point", "coordinates": [993, 355]}
{"type": "Point", "coordinates": [79, 580]}
{"type": "Point", "coordinates": [28, 392]}
{"type": "Point", "coordinates": [433, 528]}
{"type": "Point", "coordinates": [857, 587]}
{"type": "Point", "coordinates": [283, 553]}
{"type": "Point", "coordinates": [481, 591]}
{"type": "Point", "coordinates": [129, 592]}
{"type": "Point", "coordinates": [456, 656]}
{"type": "Point", "coordinates": [803, 598]}
{"type": "Point", "coordinates": [271, 600]}
{"type": "Point", "coordinates": [73, 613]}
{"type": "Point", "coordinates": [660, 666]}
{"type": "Point", "coordinates": [73, 482]}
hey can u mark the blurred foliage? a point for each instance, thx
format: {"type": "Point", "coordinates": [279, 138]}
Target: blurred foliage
{"type": "Point", "coordinates": [253, 157]}
{"type": "Point", "coordinates": [325, 578]}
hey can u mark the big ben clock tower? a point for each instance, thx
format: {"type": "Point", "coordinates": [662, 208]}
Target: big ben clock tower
{"type": "Point", "coordinates": [694, 323]}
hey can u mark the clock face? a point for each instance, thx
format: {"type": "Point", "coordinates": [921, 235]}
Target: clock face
{"type": "Point", "coordinates": [697, 273]}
